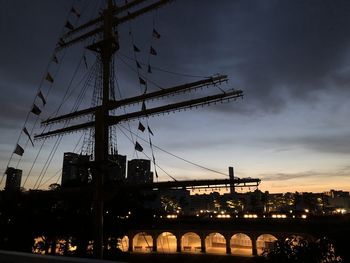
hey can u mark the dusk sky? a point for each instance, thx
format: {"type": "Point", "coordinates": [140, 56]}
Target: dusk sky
{"type": "Point", "coordinates": [290, 58]}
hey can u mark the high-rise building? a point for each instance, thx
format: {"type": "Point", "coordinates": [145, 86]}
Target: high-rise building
{"type": "Point", "coordinates": [139, 171]}
{"type": "Point", "coordinates": [13, 179]}
{"type": "Point", "coordinates": [116, 169]}
{"type": "Point", "coordinates": [75, 170]}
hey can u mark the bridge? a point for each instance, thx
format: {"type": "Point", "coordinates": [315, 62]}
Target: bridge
{"type": "Point", "coordinates": [241, 237]}
{"type": "Point", "coordinates": [213, 236]}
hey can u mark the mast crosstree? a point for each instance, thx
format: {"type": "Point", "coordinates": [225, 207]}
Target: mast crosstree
{"type": "Point", "coordinates": [106, 27]}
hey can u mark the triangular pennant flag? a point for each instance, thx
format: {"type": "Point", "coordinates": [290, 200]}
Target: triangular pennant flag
{"type": "Point", "coordinates": [143, 106]}
{"type": "Point", "coordinates": [36, 110]}
{"type": "Point", "coordinates": [141, 127]}
{"type": "Point", "coordinates": [19, 150]}
{"type": "Point", "coordinates": [49, 78]}
{"type": "Point", "coordinates": [138, 147]}
{"type": "Point", "coordinates": [41, 96]}
{"type": "Point", "coordinates": [136, 49]}
{"type": "Point", "coordinates": [138, 65]}
{"type": "Point", "coordinates": [27, 133]}
{"type": "Point", "coordinates": [69, 25]}
{"type": "Point", "coordinates": [74, 11]}
{"type": "Point", "coordinates": [152, 51]}
{"type": "Point", "coordinates": [142, 81]}
{"type": "Point", "coordinates": [85, 61]}
{"type": "Point", "coordinates": [149, 68]}
{"type": "Point", "coordinates": [149, 130]}
{"type": "Point", "coordinates": [55, 59]}
{"type": "Point", "coordinates": [155, 34]}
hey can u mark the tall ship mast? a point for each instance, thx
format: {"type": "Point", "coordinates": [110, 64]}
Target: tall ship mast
{"type": "Point", "coordinates": [103, 34]}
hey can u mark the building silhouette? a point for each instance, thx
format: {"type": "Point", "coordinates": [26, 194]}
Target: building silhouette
{"type": "Point", "coordinates": [139, 171]}
{"type": "Point", "coordinates": [13, 179]}
{"type": "Point", "coordinates": [116, 169]}
{"type": "Point", "coordinates": [75, 170]}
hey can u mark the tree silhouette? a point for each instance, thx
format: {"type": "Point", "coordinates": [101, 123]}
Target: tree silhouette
{"type": "Point", "coordinates": [297, 249]}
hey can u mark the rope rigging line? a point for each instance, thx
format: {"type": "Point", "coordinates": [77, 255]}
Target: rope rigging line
{"type": "Point", "coordinates": [132, 68]}
{"type": "Point", "coordinates": [137, 71]}
{"type": "Point", "coordinates": [181, 158]}
{"type": "Point", "coordinates": [37, 117]}
{"type": "Point", "coordinates": [112, 129]}
{"type": "Point", "coordinates": [75, 107]}
{"type": "Point", "coordinates": [148, 129]}
{"type": "Point", "coordinates": [39, 89]}
{"type": "Point", "coordinates": [57, 173]}
{"type": "Point", "coordinates": [173, 178]}
{"type": "Point", "coordinates": [66, 96]}
{"type": "Point", "coordinates": [48, 161]}
{"type": "Point", "coordinates": [44, 77]}
{"type": "Point", "coordinates": [166, 70]}
{"type": "Point", "coordinates": [87, 147]}
{"type": "Point", "coordinates": [59, 139]}
{"type": "Point", "coordinates": [144, 82]}
{"type": "Point", "coordinates": [128, 123]}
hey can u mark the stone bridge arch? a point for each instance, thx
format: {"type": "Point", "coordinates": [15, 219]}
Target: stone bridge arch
{"type": "Point", "coordinates": [191, 242]}
{"type": "Point", "coordinates": [167, 242]}
{"type": "Point", "coordinates": [141, 242]}
{"type": "Point", "coordinates": [215, 243]}
{"type": "Point", "coordinates": [241, 244]}
{"type": "Point", "coordinates": [265, 242]}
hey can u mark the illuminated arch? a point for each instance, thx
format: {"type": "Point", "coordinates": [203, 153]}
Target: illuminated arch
{"type": "Point", "coordinates": [190, 243]}
{"type": "Point", "coordinates": [241, 244]}
{"type": "Point", "coordinates": [215, 243]}
{"type": "Point", "coordinates": [265, 242]}
{"type": "Point", "coordinates": [142, 242]}
{"type": "Point", "coordinates": [166, 243]}
{"type": "Point", "coordinates": [123, 243]}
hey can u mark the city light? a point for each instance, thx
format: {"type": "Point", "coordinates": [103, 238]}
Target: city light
{"type": "Point", "coordinates": [279, 216]}
{"type": "Point", "coordinates": [223, 216]}
{"type": "Point", "coordinates": [171, 216]}
{"type": "Point", "coordinates": [340, 211]}
{"type": "Point", "coordinates": [250, 216]}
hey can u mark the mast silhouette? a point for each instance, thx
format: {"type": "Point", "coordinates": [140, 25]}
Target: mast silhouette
{"type": "Point", "coordinates": [106, 26]}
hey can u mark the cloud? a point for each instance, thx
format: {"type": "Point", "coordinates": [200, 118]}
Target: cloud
{"type": "Point", "coordinates": [341, 172]}
{"type": "Point", "coordinates": [336, 143]}
{"type": "Point", "coordinates": [275, 52]}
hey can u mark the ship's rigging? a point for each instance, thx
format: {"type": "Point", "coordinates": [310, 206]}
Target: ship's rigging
{"type": "Point", "coordinates": [107, 111]}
